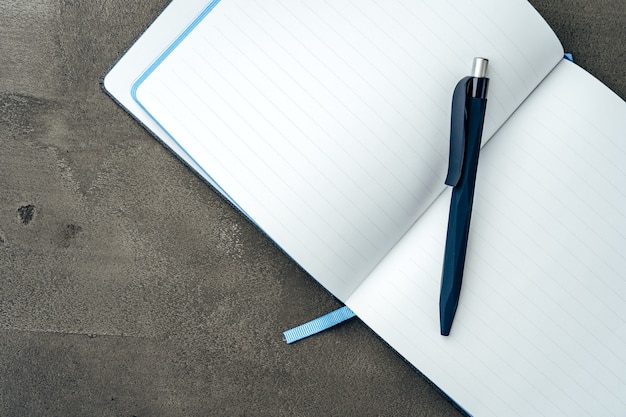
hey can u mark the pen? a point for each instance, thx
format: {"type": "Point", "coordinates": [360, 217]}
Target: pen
{"type": "Point", "coordinates": [469, 102]}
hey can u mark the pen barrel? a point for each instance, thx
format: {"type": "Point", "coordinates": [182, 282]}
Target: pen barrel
{"type": "Point", "coordinates": [478, 87]}
{"type": "Point", "coordinates": [459, 218]}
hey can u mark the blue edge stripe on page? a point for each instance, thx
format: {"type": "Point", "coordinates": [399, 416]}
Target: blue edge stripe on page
{"type": "Point", "coordinates": [145, 74]}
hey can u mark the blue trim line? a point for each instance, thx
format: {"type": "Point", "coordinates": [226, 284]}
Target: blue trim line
{"type": "Point", "coordinates": [318, 325]}
{"type": "Point", "coordinates": [170, 48]}
{"type": "Point", "coordinates": [150, 70]}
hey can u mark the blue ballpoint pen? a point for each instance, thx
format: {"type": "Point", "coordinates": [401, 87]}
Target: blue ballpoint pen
{"type": "Point", "coordinates": [468, 114]}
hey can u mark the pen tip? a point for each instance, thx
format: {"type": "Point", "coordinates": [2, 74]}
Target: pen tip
{"type": "Point", "coordinates": [445, 327]}
{"type": "Point", "coordinates": [447, 308]}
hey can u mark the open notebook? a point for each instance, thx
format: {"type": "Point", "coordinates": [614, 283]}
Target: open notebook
{"type": "Point", "coordinates": [327, 124]}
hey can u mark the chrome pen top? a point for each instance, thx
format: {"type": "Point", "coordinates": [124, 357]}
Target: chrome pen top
{"type": "Point", "coordinates": [479, 67]}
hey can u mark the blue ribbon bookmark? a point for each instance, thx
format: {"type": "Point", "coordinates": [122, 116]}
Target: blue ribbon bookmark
{"type": "Point", "coordinates": [318, 325]}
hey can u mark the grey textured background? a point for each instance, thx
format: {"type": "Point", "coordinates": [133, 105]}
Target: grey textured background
{"type": "Point", "coordinates": [130, 288]}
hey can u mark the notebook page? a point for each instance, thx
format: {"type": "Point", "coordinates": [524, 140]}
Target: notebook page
{"type": "Point", "coordinates": [327, 122]}
{"type": "Point", "coordinates": [540, 328]}
{"type": "Point", "coordinates": [118, 81]}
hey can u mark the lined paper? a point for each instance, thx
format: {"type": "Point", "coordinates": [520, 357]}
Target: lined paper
{"type": "Point", "coordinates": [540, 328]}
{"type": "Point", "coordinates": [327, 122]}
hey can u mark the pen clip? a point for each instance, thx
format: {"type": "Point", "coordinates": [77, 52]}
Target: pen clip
{"type": "Point", "coordinates": [458, 127]}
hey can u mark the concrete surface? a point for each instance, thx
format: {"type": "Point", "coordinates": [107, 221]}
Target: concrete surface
{"type": "Point", "coordinates": [130, 288]}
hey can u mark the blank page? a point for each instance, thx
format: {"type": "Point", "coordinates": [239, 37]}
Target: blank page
{"type": "Point", "coordinates": [120, 79]}
{"type": "Point", "coordinates": [327, 122]}
{"type": "Point", "coordinates": [540, 328]}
